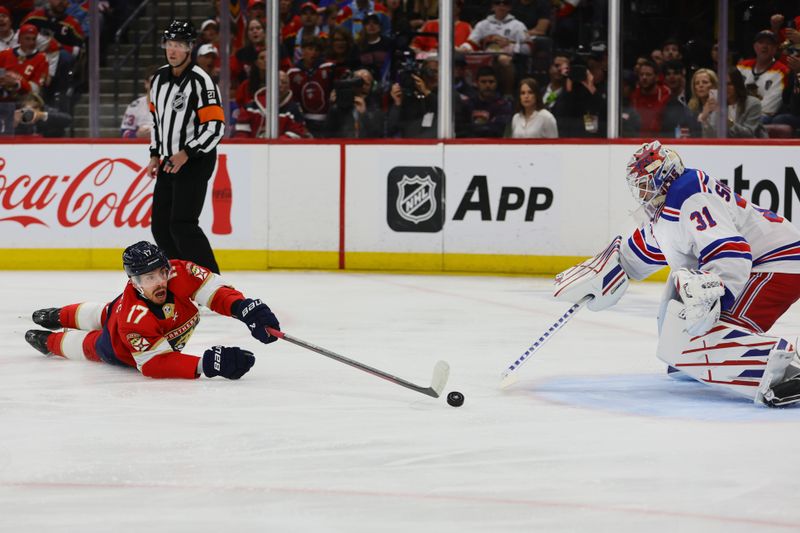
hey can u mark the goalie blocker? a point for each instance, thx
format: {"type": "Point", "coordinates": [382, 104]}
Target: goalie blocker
{"type": "Point", "coordinates": [691, 337]}
{"type": "Point", "coordinates": [601, 277]}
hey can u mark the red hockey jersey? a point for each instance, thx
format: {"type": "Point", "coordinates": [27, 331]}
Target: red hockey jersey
{"type": "Point", "coordinates": [31, 70]}
{"type": "Point", "coordinates": [64, 28]}
{"type": "Point", "coordinates": [312, 88]}
{"type": "Point", "coordinates": [151, 337]}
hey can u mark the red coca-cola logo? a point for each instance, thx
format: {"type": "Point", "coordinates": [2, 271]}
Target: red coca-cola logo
{"type": "Point", "coordinates": [84, 198]}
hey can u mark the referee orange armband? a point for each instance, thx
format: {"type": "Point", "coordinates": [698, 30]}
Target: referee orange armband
{"type": "Point", "coordinates": [209, 113]}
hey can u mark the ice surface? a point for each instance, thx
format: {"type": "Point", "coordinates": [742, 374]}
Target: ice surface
{"type": "Point", "coordinates": [594, 436]}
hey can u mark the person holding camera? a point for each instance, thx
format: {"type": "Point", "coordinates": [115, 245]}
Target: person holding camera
{"type": "Point", "coordinates": [34, 118]}
{"type": "Point", "coordinates": [354, 113]}
{"type": "Point", "coordinates": [415, 96]}
{"type": "Point", "coordinates": [414, 111]}
{"type": "Point", "coordinates": [579, 109]}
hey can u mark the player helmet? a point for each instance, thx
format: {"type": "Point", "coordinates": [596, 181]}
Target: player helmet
{"type": "Point", "coordinates": [179, 30]}
{"type": "Point", "coordinates": [143, 257]}
{"type": "Point", "coordinates": [651, 170]}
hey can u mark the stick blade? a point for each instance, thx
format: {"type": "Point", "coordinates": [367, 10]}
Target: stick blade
{"type": "Point", "coordinates": [441, 372]}
{"type": "Point", "coordinates": [508, 379]}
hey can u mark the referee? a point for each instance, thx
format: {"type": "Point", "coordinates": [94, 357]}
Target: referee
{"type": "Point", "coordinates": [188, 125]}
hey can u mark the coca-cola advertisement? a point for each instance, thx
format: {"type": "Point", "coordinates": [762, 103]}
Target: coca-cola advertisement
{"type": "Point", "coordinates": [83, 196]}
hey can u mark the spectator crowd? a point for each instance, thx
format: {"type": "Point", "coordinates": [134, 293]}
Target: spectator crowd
{"type": "Point", "coordinates": [522, 68]}
{"type": "Point", "coordinates": [42, 60]}
{"type": "Point", "coordinates": [369, 68]}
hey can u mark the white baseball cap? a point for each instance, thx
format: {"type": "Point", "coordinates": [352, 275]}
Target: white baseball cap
{"type": "Point", "coordinates": [207, 23]}
{"type": "Point", "coordinates": [206, 49]}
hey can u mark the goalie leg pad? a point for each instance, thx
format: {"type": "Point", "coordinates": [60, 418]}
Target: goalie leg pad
{"type": "Point", "coordinates": [601, 277]}
{"type": "Point", "coordinates": [726, 357]}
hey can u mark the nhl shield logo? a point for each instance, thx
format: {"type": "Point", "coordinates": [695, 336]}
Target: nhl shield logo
{"type": "Point", "coordinates": [179, 102]}
{"type": "Point", "coordinates": [415, 198]}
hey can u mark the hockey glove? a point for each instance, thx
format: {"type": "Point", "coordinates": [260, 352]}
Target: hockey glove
{"type": "Point", "coordinates": [258, 317]}
{"type": "Point", "coordinates": [228, 362]}
{"type": "Point", "coordinates": [602, 277]}
{"type": "Point", "coordinates": [700, 292]}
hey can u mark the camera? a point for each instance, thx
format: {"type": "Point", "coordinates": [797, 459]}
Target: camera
{"type": "Point", "coordinates": [27, 115]}
{"type": "Point", "coordinates": [405, 73]}
{"type": "Point", "coordinates": [577, 73]}
{"type": "Point", "coordinates": [346, 91]}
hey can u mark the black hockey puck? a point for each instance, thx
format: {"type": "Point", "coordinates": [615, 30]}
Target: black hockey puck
{"type": "Point", "coordinates": [455, 398]}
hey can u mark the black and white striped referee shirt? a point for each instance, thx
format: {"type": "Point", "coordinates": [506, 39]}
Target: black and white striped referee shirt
{"type": "Point", "coordinates": [186, 111]}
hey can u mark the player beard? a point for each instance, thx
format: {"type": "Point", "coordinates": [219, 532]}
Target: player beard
{"type": "Point", "coordinates": [159, 295]}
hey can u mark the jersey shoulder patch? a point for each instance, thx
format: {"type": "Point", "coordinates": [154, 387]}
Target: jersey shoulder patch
{"type": "Point", "coordinates": [689, 183]}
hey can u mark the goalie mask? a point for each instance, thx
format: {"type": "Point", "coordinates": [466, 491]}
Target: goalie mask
{"type": "Point", "coordinates": [650, 172]}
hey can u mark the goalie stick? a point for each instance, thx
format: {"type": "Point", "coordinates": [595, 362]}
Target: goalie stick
{"type": "Point", "coordinates": [508, 376]}
{"type": "Point", "coordinates": [440, 372]}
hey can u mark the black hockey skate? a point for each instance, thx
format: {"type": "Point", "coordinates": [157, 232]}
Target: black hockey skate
{"type": "Point", "coordinates": [47, 318]}
{"type": "Point", "coordinates": [38, 339]}
{"type": "Point", "coordinates": [785, 393]}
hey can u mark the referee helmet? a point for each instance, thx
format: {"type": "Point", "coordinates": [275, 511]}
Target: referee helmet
{"type": "Point", "coordinates": [180, 30]}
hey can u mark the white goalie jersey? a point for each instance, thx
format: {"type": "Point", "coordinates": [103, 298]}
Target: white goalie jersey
{"type": "Point", "coordinates": [704, 225]}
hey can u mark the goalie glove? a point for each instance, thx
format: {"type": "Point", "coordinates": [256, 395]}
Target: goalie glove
{"type": "Point", "coordinates": [602, 277]}
{"type": "Point", "coordinates": [700, 292]}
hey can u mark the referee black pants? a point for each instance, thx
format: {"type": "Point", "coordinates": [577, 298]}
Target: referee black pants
{"type": "Point", "coordinates": [177, 203]}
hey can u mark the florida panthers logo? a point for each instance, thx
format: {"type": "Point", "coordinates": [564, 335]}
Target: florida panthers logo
{"type": "Point", "coordinates": [196, 271]}
{"type": "Point", "coordinates": [416, 198]}
{"type": "Point", "coordinates": [138, 343]}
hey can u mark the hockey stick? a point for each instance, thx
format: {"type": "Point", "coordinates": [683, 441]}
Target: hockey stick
{"type": "Point", "coordinates": [440, 372]}
{"type": "Point", "coordinates": [508, 376]}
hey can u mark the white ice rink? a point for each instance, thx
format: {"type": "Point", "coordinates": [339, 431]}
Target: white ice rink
{"type": "Point", "coordinates": [594, 437]}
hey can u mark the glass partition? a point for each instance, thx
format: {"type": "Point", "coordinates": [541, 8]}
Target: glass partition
{"type": "Point", "coordinates": [371, 68]}
{"type": "Point", "coordinates": [671, 72]}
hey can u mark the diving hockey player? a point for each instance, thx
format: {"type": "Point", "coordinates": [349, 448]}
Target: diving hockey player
{"type": "Point", "coordinates": [148, 325]}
